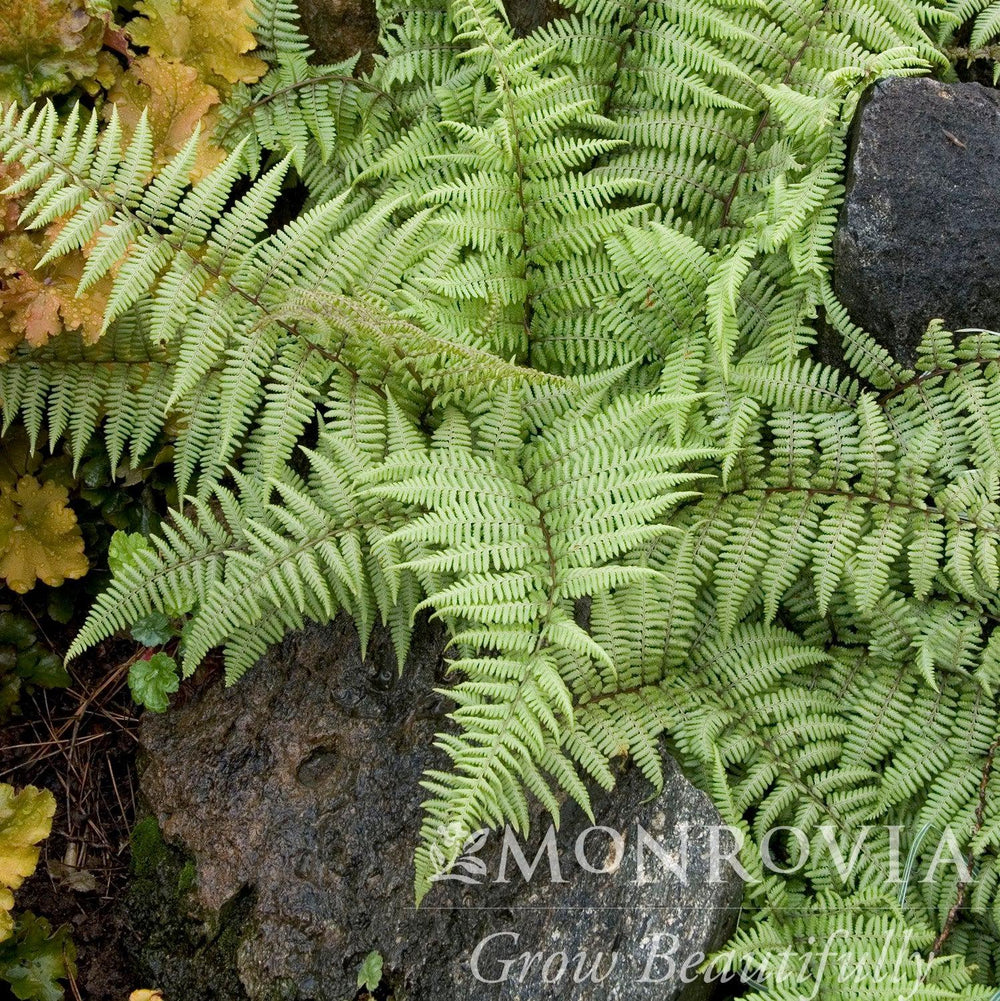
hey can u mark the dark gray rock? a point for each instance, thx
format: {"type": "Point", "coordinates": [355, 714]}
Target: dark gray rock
{"type": "Point", "coordinates": [920, 225]}
{"type": "Point", "coordinates": [297, 790]}
{"type": "Point", "coordinates": [180, 944]}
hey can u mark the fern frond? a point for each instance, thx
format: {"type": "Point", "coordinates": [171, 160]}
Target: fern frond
{"type": "Point", "coordinates": [319, 547]}
{"type": "Point", "coordinates": [225, 300]}
{"type": "Point", "coordinates": [508, 536]}
{"type": "Point", "coordinates": [537, 355]}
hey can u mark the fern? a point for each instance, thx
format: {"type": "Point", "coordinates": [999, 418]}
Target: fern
{"type": "Point", "coordinates": [297, 108]}
{"type": "Point", "coordinates": [227, 305]}
{"type": "Point", "coordinates": [580, 492]}
{"type": "Point", "coordinates": [318, 547]}
{"type": "Point", "coordinates": [977, 24]}
{"type": "Point", "coordinates": [536, 357]}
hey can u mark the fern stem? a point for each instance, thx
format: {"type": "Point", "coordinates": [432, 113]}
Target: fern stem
{"type": "Point", "coordinates": [261, 102]}
{"type": "Point", "coordinates": [627, 40]}
{"type": "Point", "coordinates": [934, 373]}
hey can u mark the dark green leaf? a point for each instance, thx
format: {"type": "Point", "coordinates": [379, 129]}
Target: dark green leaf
{"type": "Point", "coordinates": [43, 668]}
{"type": "Point", "coordinates": [153, 630]}
{"type": "Point", "coordinates": [35, 959]}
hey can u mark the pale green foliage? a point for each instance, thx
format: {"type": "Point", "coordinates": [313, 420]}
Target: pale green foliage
{"type": "Point", "coordinates": [226, 305]}
{"type": "Point", "coordinates": [983, 20]}
{"type": "Point", "coordinates": [519, 527]}
{"type": "Point", "coordinates": [970, 32]}
{"type": "Point", "coordinates": [858, 963]}
{"type": "Point", "coordinates": [152, 681]}
{"type": "Point", "coordinates": [536, 356]}
{"type": "Point", "coordinates": [370, 971]}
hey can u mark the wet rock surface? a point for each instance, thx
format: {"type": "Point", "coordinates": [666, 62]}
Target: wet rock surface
{"type": "Point", "coordinates": [296, 794]}
{"type": "Point", "coordinates": [172, 939]}
{"type": "Point", "coordinates": [921, 219]}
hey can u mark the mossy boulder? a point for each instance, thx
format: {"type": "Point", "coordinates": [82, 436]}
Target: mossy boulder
{"type": "Point", "coordinates": [186, 951]}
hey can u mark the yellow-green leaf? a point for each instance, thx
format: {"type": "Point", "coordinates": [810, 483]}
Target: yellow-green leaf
{"type": "Point", "coordinates": [25, 820]}
{"type": "Point", "coordinates": [46, 46]}
{"type": "Point", "coordinates": [39, 535]}
{"type": "Point", "coordinates": [213, 36]}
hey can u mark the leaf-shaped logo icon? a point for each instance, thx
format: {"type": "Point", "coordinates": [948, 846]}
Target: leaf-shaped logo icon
{"type": "Point", "coordinates": [467, 866]}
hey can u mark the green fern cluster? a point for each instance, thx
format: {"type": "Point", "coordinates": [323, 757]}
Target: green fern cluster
{"type": "Point", "coordinates": [536, 355]}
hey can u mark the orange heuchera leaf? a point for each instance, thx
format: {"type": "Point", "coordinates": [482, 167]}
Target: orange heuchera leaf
{"type": "Point", "coordinates": [39, 535]}
{"type": "Point", "coordinates": [145, 995]}
{"type": "Point", "coordinates": [36, 311]}
{"type": "Point", "coordinates": [213, 36]}
{"type": "Point", "coordinates": [25, 819]}
{"type": "Point", "coordinates": [10, 207]}
{"type": "Point", "coordinates": [177, 100]}
{"type": "Point", "coordinates": [31, 311]}
{"type": "Point", "coordinates": [38, 303]}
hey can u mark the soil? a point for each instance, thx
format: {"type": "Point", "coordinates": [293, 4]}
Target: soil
{"type": "Point", "coordinates": [81, 743]}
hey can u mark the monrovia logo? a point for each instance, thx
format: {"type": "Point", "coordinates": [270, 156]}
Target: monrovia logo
{"type": "Point", "coordinates": [602, 850]}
